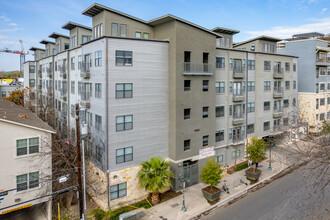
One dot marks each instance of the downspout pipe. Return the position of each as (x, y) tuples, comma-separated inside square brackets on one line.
[(107, 116)]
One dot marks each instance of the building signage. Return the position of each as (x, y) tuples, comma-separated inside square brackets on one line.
[(3, 193), (15, 209), (206, 152)]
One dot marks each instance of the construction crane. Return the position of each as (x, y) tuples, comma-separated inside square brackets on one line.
[(21, 52)]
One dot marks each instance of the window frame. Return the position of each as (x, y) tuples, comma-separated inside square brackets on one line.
[(118, 191), (124, 91), (124, 122), (125, 155), (27, 146)]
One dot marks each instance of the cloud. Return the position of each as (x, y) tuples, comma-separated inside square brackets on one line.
[(324, 9), (10, 29), (319, 25), (13, 24), (3, 37), (4, 18), (8, 42)]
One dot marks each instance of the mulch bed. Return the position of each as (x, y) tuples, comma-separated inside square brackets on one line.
[(168, 195), (211, 190), (252, 170)]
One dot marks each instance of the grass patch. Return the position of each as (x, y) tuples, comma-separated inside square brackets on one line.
[(241, 167)]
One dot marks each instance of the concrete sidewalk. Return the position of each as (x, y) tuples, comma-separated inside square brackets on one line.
[(196, 203)]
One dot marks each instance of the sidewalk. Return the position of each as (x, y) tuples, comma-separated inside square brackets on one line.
[(196, 203)]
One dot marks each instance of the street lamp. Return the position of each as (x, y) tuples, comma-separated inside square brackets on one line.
[(183, 204), (270, 158)]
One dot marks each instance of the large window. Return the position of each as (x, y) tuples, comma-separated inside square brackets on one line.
[(187, 85), (123, 30), (118, 191), (124, 58), (124, 155), (205, 140), (251, 86), (114, 29), (295, 84), (250, 129), (219, 111), (250, 107), (219, 158), (32, 69), (287, 85), (186, 113), (266, 106), (267, 65), (205, 112), (219, 135), (98, 90), (27, 146), (286, 103), (124, 90), (220, 62), (266, 85), (220, 87), (287, 66), (27, 181), (251, 64), (98, 122), (186, 145), (72, 63), (124, 122), (32, 82), (266, 126), (98, 58), (205, 85), (322, 101)]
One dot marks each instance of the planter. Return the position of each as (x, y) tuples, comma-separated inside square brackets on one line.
[(211, 195), (250, 174)]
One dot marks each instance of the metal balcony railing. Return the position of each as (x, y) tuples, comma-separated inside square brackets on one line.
[(278, 70), (85, 96), (238, 93), (278, 109), (238, 69), (238, 115), (85, 70), (201, 68), (238, 137), (62, 69), (278, 90)]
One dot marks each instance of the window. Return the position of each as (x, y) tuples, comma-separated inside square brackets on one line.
[(72, 63), (123, 30), (266, 126), (27, 181), (205, 112), (205, 85), (32, 69), (32, 82), (219, 111), (251, 65), (220, 62), (322, 117), (84, 39), (230, 86), (230, 110), (3, 94), (27, 146), (99, 154), (205, 140), (187, 85), (146, 35), (80, 60), (322, 86), (220, 87), (294, 84), (98, 58), (266, 106), (328, 86), (250, 129), (73, 41), (66, 46), (317, 117), (124, 155), (231, 63), (322, 101), (250, 107), (124, 58), (219, 158), (186, 145), (186, 113), (286, 103), (294, 67), (101, 30), (98, 90), (219, 135), (98, 122), (294, 101), (328, 115), (79, 88), (138, 34), (118, 191), (287, 85), (287, 66), (114, 29), (230, 133), (124, 90), (251, 86), (285, 121), (72, 87), (317, 103), (124, 122), (267, 65), (328, 100), (266, 85)]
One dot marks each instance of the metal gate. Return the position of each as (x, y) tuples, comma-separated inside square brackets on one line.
[(190, 174)]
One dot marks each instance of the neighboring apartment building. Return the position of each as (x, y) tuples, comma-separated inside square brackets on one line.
[(314, 77), (25, 163), (165, 87)]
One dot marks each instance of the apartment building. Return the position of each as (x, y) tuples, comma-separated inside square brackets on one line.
[(26, 160), (166, 87), (314, 77)]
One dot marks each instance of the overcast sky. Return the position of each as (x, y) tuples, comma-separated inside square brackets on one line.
[(34, 20)]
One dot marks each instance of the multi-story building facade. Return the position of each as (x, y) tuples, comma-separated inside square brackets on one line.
[(314, 77), (166, 87)]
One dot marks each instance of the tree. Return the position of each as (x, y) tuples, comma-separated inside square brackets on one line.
[(155, 176), (256, 150), (211, 173)]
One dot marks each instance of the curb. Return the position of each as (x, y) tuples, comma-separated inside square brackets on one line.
[(239, 195)]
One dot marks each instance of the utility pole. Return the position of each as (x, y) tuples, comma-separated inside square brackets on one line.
[(80, 195)]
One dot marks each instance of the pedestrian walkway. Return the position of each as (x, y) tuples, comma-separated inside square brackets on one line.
[(195, 202)]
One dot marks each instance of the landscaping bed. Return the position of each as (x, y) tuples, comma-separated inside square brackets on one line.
[(238, 167)]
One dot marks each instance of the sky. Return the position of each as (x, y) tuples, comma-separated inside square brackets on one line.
[(34, 20)]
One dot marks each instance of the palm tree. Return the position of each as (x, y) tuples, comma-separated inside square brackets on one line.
[(155, 176)]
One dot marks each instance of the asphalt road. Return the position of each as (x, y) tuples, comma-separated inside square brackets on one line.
[(283, 199)]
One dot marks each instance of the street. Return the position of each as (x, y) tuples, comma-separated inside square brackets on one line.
[(285, 198)]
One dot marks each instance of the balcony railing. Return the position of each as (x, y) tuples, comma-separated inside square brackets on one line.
[(238, 118), (63, 93), (278, 92), (238, 72), (238, 138), (49, 72), (63, 71), (278, 112), (278, 73), (85, 99), (39, 73), (238, 96), (198, 69), (85, 70)]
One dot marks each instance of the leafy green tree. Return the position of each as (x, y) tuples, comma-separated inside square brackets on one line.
[(100, 214), (211, 173), (155, 176), (256, 150)]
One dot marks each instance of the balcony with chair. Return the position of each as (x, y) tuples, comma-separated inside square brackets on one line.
[(238, 118), (278, 73), (85, 70), (198, 69), (278, 93)]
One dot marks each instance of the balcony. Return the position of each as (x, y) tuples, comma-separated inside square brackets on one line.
[(63, 71), (49, 73), (85, 102), (322, 60), (238, 96), (63, 93), (278, 93), (238, 72), (238, 118), (63, 114), (278, 112), (198, 69), (278, 73), (84, 70), (238, 139), (39, 74)]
